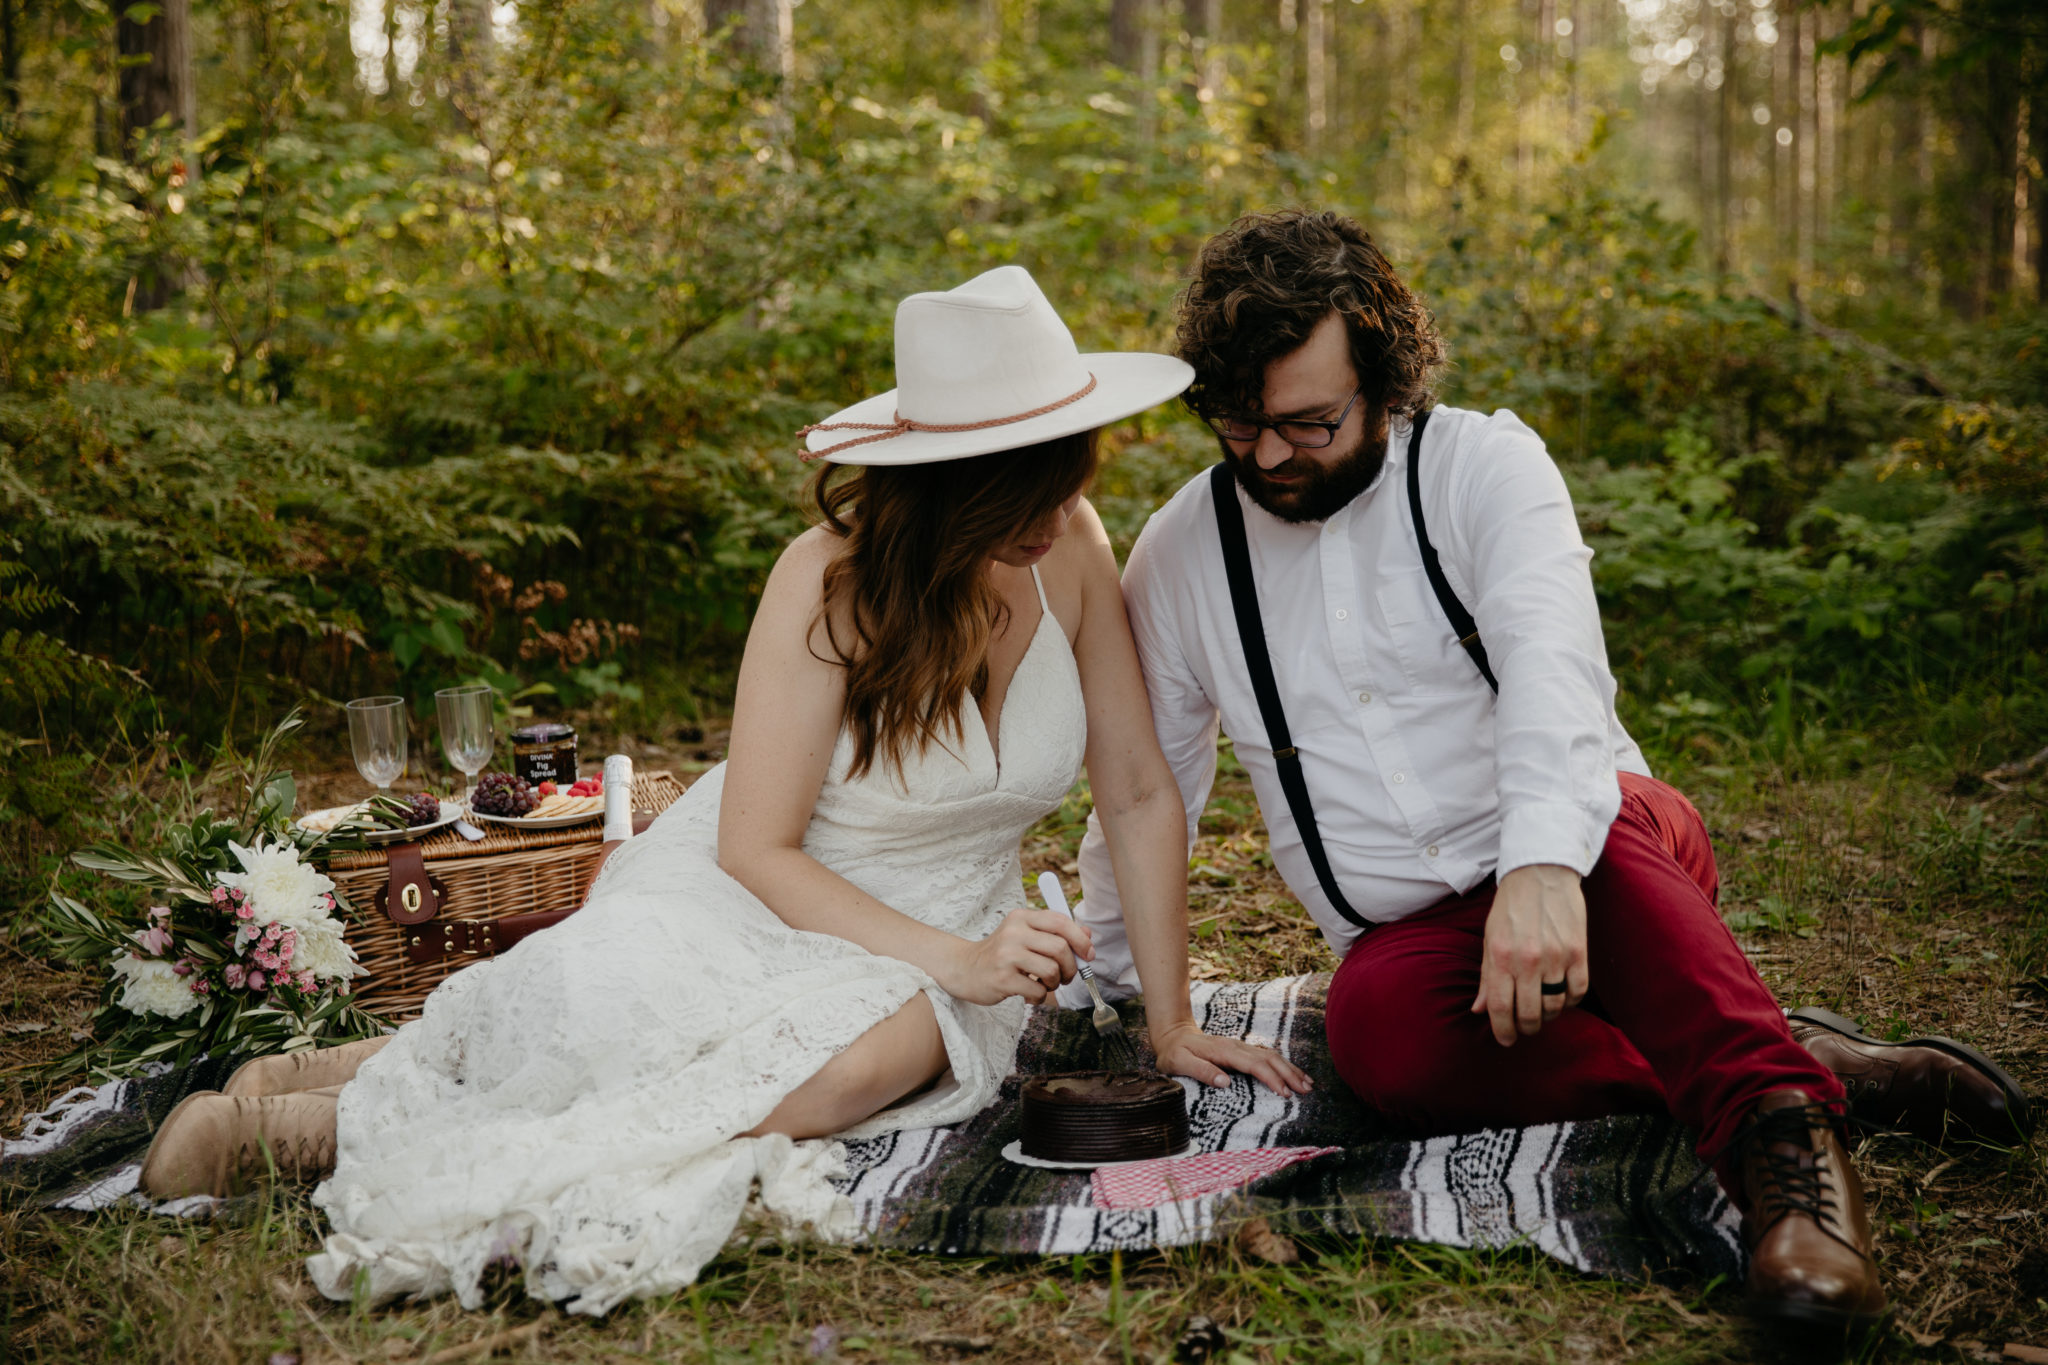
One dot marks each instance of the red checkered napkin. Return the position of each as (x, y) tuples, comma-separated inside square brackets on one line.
[(1148, 1184)]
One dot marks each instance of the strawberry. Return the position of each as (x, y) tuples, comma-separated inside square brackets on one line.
[(546, 789)]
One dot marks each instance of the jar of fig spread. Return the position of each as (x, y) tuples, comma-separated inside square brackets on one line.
[(545, 752)]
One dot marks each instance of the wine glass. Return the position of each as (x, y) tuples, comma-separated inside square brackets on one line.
[(468, 718), (376, 733)]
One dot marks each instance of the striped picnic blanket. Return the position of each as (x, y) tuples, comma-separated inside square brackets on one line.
[(1620, 1196)]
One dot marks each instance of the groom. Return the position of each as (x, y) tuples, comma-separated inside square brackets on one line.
[(1388, 609)]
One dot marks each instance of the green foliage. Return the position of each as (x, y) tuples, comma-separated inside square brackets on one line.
[(498, 381)]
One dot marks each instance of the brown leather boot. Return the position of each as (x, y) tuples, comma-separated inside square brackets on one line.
[(307, 1069), (1804, 1222), (1934, 1088), (220, 1144)]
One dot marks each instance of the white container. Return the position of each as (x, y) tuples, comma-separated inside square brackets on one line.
[(618, 798)]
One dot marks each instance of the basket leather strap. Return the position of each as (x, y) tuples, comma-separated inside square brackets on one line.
[(450, 938), (411, 896), (476, 937)]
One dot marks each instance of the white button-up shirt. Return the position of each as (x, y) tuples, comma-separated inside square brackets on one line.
[(1422, 781)]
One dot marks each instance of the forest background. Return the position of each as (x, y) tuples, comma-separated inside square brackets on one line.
[(372, 349), (376, 346)]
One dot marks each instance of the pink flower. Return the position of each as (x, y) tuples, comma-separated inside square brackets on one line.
[(199, 986), (155, 940), (243, 910), (159, 912), (305, 980), (256, 981), (218, 894), (235, 974), (183, 966)]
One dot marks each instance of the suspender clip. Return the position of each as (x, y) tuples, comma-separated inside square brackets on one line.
[(1287, 752)]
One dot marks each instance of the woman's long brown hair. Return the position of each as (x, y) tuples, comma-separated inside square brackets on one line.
[(910, 589)]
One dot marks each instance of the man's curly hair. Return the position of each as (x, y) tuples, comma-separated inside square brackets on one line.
[(1260, 287)]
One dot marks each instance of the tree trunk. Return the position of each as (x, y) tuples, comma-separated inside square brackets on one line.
[(1468, 76), (1127, 32), (1208, 18), (1807, 145), (2037, 191), (2002, 143), (1725, 122), (764, 32), (11, 18), (1826, 139), (469, 30), (154, 84), (156, 72), (1316, 45), (10, 53)]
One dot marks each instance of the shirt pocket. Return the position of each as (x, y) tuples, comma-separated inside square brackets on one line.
[(1432, 660)]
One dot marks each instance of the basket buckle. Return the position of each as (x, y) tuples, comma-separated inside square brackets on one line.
[(451, 938)]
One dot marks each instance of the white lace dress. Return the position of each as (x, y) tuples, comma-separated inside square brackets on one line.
[(574, 1103)]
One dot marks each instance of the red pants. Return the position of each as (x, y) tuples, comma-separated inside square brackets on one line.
[(1676, 1018)]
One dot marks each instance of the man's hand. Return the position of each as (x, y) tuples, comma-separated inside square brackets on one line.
[(1184, 1050), (1535, 933)]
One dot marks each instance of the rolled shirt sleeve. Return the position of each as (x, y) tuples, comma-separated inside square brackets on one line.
[(1185, 720), (1554, 746)]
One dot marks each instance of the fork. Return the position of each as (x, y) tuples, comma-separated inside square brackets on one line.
[(1108, 1026)]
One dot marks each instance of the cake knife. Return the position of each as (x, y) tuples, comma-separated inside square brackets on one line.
[(1108, 1026)]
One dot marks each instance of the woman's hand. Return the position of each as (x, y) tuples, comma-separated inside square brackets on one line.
[(1031, 954), (1184, 1050)]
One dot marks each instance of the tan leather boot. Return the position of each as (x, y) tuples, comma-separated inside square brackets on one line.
[(1804, 1222), (1933, 1087), (307, 1069), (220, 1144)]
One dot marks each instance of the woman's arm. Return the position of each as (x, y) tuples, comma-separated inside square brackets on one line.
[(1145, 826), (786, 721)]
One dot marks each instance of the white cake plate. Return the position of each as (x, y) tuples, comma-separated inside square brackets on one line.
[(1015, 1152)]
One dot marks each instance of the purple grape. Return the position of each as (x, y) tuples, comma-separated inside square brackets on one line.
[(503, 794)]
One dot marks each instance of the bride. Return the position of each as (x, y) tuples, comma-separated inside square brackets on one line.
[(827, 936)]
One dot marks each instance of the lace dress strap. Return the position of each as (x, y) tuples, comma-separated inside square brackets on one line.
[(1043, 605)]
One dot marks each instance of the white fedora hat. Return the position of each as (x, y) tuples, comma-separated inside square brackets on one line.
[(985, 367)]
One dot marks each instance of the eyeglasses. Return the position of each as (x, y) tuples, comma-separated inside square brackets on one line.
[(1297, 432)]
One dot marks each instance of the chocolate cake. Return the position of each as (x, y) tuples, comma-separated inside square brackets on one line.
[(1104, 1116)]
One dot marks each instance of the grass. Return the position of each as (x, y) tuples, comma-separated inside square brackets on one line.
[(1895, 900)]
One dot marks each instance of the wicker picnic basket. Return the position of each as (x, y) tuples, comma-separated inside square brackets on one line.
[(488, 895)]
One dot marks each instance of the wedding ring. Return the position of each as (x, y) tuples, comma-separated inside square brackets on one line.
[(1553, 988)]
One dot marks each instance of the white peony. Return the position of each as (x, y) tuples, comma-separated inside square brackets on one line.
[(323, 952), (153, 988), (281, 888)]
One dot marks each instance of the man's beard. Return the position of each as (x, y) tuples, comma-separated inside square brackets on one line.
[(1320, 492)]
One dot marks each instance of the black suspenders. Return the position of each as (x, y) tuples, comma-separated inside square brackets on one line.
[(1462, 624), (1251, 631)]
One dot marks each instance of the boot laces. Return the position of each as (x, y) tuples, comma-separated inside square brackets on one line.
[(293, 1158), (1794, 1169)]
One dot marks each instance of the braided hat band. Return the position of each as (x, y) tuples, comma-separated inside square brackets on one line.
[(884, 431)]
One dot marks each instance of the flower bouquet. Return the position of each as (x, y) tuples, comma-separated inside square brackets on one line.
[(244, 949)]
